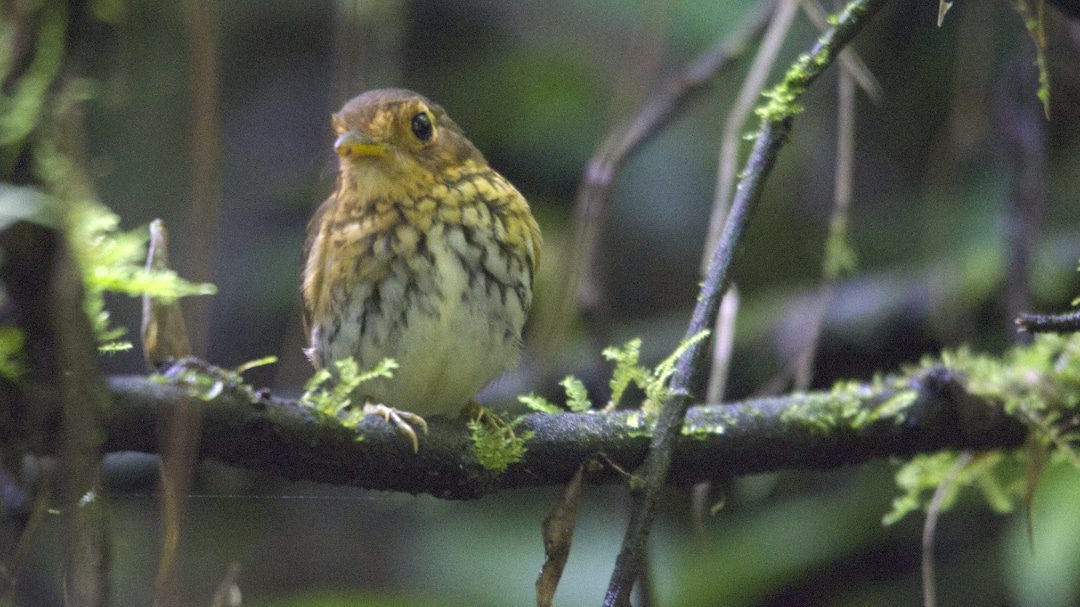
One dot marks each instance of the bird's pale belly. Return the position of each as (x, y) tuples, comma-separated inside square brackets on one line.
[(450, 316)]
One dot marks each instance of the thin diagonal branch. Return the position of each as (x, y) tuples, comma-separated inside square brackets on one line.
[(838, 256), (599, 176), (730, 140), (690, 366)]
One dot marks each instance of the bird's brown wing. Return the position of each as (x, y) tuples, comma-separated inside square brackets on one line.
[(311, 269)]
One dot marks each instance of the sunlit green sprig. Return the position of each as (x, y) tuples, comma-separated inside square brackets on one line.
[(206, 382), (113, 261), (628, 371), (331, 392)]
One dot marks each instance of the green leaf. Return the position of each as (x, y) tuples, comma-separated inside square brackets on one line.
[(539, 403), (627, 370), (577, 397), (330, 392), (656, 387), (258, 362), (115, 347), (27, 204), (12, 358)]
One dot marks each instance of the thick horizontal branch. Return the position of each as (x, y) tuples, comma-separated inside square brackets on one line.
[(934, 411)]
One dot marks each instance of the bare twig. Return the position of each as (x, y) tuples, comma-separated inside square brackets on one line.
[(837, 240), (1019, 120), (1049, 323), (164, 334), (749, 94), (598, 178), (228, 591), (723, 346), (933, 512), (690, 367), (164, 337), (201, 19)]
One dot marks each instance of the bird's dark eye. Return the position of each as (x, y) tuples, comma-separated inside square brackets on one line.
[(421, 126)]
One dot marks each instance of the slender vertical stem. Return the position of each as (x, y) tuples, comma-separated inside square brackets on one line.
[(594, 191), (202, 27), (774, 130)]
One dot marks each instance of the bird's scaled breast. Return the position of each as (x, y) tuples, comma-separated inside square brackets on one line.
[(448, 305)]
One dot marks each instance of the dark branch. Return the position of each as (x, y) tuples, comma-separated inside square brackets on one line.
[(805, 431), (1049, 323), (46, 302), (690, 366)]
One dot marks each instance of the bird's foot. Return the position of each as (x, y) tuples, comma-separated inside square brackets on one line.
[(476, 412), (403, 421)]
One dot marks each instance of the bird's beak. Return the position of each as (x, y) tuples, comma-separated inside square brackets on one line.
[(352, 144)]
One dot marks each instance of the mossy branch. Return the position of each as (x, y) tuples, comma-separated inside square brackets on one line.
[(928, 411)]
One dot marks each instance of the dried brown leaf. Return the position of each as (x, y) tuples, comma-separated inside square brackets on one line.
[(164, 334), (558, 533)]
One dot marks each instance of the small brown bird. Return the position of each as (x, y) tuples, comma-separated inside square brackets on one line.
[(423, 254)]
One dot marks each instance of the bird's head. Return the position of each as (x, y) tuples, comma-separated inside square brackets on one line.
[(395, 133)]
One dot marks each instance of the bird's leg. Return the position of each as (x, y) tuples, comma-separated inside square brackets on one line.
[(476, 412), (403, 421)]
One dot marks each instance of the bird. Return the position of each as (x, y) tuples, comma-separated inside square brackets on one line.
[(424, 254)]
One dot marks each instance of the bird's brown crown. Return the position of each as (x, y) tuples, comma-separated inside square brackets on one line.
[(400, 134)]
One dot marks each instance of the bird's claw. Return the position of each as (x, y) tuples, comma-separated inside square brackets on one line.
[(402, 420), (482, 415)]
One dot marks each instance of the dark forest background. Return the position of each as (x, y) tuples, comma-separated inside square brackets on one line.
[(936, 224)]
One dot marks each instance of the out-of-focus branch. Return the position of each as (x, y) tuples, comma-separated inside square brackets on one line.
[(595, 188), (1049, 323), (201, 20), (165, 339), (45, 290), (749, 95), (838, 255), (1021, 125)]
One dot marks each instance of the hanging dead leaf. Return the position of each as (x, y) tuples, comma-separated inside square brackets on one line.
[(558, 533), (164, 334)]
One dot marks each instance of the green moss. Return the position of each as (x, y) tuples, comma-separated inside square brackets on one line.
[(893, 408), (638, 425), (822, 413), (627, 370), (1040, 385), (577, 396), (781, 99), (12, 357), (702, 431), (997, 476), (539, 403), (331, 392), (206, 382), (497, 447)]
